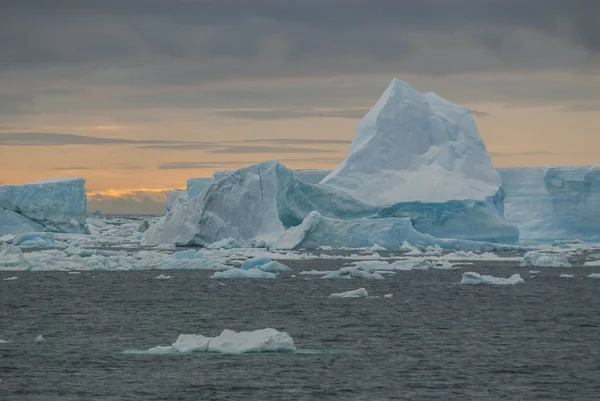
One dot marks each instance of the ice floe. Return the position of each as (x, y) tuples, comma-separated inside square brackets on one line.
[(543, 259), (359, 293), (235, 272), (476, 278)]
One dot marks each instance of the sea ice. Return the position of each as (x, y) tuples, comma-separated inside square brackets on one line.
[(162, 277), (566, 275), (254, 263), (226, 243), (593, 263), (359, 293), (388, 295), (37, 240), (476, 278), (10, 278), (274, 266), (594, 275), (39, 338), (11, 258)]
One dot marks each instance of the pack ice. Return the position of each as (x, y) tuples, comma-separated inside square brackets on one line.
[(57, 205), (417, 171)]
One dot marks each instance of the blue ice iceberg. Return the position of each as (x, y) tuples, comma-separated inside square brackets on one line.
[(417, 171)]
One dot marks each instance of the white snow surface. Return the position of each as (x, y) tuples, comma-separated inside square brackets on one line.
[(231, 342), (476, 278), (416, 147), (359, 293), (51, 205), (174, 198)]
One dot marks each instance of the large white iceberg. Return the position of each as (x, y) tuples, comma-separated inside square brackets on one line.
[(174, 198), (195, 186), (57, 205), (417, 171), (231, 342)]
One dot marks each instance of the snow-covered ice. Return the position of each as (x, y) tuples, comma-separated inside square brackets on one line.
[(10, 278), (174, 198), (39, 339), (594, 275), (564, 275), (41, 239), (162, 277), (476, 278), (388, 295), (231, 342), (359, 293), (592, 263)]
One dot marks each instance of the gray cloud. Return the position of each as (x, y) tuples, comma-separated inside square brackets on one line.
[(15, 103), (266, 149), (67, 168), (197, 165), (135, 203), (54, 139), (286, 114), (513, 154), (478, 113)]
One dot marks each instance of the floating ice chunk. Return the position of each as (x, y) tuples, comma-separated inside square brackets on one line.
[(541, 259), (359, 293), (188, 254), (40, 239), (388, 295), (227, 243), (351, 271), (274, 266), (74, 273), (230, 342), (3, 341), (265, 340), (162, 277), (316, 272), (476, 278), (39, 339), (234, 272), (12, 257), (144, 225), (534, 272), (594, 275), (166, 246), (592, 263), (564, 275), (13, 278), (254, 263)]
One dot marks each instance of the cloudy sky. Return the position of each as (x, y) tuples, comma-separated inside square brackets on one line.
[(138, 95)]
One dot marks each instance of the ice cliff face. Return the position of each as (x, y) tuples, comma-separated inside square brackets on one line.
[(416, 165), (549, 203), (416, 147), (52, 205), (174, 198)]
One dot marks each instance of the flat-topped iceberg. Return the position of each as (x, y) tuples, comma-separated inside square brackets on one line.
[(57, 205), (476, 278), (417, 171)]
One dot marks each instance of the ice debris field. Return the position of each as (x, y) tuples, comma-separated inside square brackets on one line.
[(417, 191)]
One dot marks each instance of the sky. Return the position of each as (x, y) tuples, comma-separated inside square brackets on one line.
[(139, 95)]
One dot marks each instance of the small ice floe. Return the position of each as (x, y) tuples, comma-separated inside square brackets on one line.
[(229, 342), (74, 273), (359, 293), (594, 275), (316, 272), (10, 278), (264, 264), (227, 243), (476, 278), (388, 295), (234, 272), (39, 339), (353, 272), (564, 275), (3, 341), (534, 272), (38, 240), (162, 277), (543, 259), (592, 263)]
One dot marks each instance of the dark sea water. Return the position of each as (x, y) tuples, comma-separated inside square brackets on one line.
[(434, 340)]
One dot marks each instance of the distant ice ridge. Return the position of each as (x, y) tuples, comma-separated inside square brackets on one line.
[(57, 205), (476, 278), (230, 342), (417, 171)]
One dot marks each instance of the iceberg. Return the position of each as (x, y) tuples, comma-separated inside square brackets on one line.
[(550, 203), (57, 205), (564, 275), (594, 275), (359, 293), (230, 342), (174, 198), (11, 257), (195, 186), (592, 263), (162, 277), (417, 172), (274, 266), (476, 278), (541, 259)]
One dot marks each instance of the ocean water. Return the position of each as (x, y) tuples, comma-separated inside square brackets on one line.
[(434, 340)]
